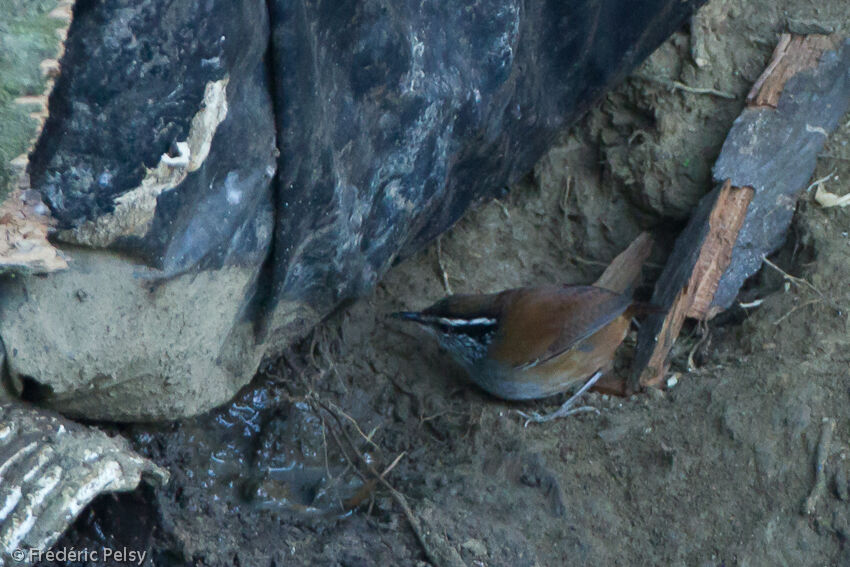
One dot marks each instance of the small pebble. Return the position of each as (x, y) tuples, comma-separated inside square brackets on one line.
[(614, 434), (801, 26), (476, 547), (655, 393)]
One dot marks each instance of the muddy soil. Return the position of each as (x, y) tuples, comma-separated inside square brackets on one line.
[(714, 471)]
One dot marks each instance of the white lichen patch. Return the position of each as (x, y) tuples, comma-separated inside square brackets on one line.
[(134, 210)]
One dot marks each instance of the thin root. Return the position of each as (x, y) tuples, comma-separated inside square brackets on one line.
[(702, 90), (436, 553), (817, 182), (505, 210), (704, 338), (676, 85), (796, 308), (793, 279), (820, 466), (444, 275), (565, 198), (800, 282)]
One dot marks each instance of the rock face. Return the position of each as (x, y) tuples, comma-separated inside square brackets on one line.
[(223, 174)]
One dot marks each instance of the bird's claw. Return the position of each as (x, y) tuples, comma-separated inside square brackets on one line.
[(567, 408), (541, 418)]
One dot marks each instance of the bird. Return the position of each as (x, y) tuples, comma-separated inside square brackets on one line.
[(532, 342)]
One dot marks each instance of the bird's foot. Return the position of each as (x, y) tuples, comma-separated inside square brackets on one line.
[(567, 408)]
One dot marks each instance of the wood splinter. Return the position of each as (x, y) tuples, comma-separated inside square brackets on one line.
[(700, 258)]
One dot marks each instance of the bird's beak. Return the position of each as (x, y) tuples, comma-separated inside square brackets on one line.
[(414, 316)]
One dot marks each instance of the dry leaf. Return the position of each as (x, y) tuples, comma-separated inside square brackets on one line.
[(827, 199)]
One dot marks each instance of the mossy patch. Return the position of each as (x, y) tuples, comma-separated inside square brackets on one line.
[(27, 37)]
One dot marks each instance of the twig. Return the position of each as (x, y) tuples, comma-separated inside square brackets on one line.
[(639, 132), (327, 355), (393, 464), (833, 156), (793, 279), (589, 262), (796, 308), (817, 182), (443, 274), (343, 450), (804, 283), (441, 556), (505, 210), (325, 449), (703, 90), (353, 421), (820, 465), (311, 350), (565, 198), (706, 336), (425, 419), (778, 52), (800, 282), (436, 554), (676, 85)]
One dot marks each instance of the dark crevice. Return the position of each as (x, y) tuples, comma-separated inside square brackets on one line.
[(262, 303), (5, 377), (34, 391)]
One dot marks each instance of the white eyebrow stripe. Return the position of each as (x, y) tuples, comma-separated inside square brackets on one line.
[(466, 322)]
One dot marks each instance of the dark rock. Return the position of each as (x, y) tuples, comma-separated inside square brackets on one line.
[(409, 114)]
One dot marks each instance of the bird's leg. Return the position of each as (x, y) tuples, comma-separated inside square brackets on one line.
[(567, 408)]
